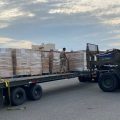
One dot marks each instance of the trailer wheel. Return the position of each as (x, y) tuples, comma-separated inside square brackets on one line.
[(18, 96), (108, 82), (35, 92)]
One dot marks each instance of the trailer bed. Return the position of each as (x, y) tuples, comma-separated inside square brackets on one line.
[(39, 79), (21, 85)]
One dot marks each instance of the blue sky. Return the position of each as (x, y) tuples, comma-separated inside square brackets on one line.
[(66, 23)]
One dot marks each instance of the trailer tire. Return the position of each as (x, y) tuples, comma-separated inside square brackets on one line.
[(18, 96), (35, 92), (108, 82)]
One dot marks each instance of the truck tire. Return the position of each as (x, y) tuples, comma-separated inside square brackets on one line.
[(108, 82), (18, 96), (35, 92)]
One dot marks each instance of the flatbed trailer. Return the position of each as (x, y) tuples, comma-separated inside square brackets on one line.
[(16, 90)]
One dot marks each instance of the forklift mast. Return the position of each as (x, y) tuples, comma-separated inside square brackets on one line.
[(91, 55)]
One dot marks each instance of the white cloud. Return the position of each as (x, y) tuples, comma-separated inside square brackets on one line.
[(114, 21), (114, 31), (8, 15), (114, 44), (111, 11), (4, 25), (4, 40), (113, 38), (2, 3), (39, 1), (78, 6), (73, 9), (11, 43), (117, 36), (97, 8), (19, 44), (13, 14), (30, 14)]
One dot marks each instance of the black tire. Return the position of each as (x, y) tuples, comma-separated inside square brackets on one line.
[(18, 96), (108, 82), (35, 92)]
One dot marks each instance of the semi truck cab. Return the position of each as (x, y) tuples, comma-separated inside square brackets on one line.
[(110, 61)]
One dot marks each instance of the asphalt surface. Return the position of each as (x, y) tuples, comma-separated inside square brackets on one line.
[(69, 100)]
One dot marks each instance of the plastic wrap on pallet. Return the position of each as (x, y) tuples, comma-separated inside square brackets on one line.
[(77, 61), (56, 62), (22, 59), (45, 62), (35, 63), (28, 62), (6, 69)]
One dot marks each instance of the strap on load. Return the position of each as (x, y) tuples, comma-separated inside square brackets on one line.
[(7, 85)]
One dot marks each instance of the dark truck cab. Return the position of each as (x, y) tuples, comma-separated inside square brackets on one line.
[(104, 67), (109, 80)]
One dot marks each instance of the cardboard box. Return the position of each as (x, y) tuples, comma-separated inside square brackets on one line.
[(45, 62), (56, 62), (35, 63), (77, 60), (28, 62), (21, 61), (6, 69)]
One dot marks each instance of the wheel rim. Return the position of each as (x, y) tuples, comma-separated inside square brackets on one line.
[(19, 96), (108, 83), (37, 92)]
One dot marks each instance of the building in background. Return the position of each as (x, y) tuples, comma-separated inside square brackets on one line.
[(44, 47)]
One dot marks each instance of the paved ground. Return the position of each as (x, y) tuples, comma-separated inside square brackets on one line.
[(69, 100)]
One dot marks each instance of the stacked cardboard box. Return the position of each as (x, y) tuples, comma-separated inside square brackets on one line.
[(27, 62), (77, 60), (30, 62), (45, 61), (22, 61), (35, 63), (6, 69), (56, 62)]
